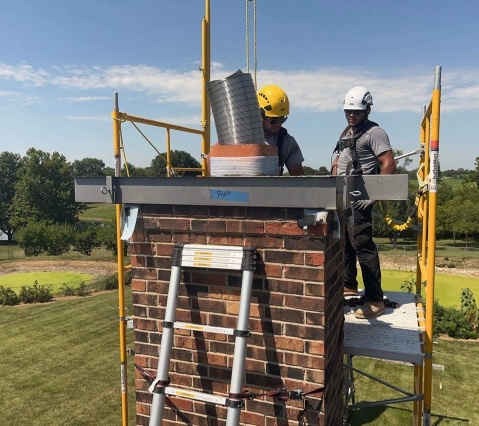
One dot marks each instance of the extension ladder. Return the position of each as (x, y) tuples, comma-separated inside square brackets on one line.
[(210, 257)]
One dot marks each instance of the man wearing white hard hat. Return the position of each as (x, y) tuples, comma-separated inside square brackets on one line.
[(363, 148)]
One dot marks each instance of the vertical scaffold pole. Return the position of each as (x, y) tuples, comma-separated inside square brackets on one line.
[(121, 266), (205, 103), (431, 254)]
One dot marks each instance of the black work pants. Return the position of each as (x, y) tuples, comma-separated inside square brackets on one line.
[(360, 246)]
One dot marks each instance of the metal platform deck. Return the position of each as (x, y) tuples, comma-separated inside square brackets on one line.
[(393, 336)]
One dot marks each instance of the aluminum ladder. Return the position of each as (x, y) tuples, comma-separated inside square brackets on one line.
[(234, 258)]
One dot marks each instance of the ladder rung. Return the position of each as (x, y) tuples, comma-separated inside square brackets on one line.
[(198, 396), (206, 263), (218, 257), (207, 328)]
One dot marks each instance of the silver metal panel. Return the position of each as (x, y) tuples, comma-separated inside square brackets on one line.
[(382, 187), (394, 335), (321, 192)]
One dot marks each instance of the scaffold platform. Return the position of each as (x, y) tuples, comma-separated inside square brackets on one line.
[(394, 336)]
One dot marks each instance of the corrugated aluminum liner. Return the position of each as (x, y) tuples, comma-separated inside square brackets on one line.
[(236, 110)]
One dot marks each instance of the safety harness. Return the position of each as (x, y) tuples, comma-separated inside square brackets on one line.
[(350, 142), (281, 134)]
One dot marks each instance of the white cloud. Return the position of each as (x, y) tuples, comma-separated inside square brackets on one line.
[(23, 73), (87, 98), (320, 89), (87, 118)]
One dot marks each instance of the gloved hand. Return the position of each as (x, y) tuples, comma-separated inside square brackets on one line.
[(360, 205)]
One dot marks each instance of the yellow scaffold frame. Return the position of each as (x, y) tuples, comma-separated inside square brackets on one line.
[(118, 118), (426, 212), (426, 241)]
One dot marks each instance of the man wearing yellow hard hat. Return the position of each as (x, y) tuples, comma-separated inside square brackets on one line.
[(274, 105)]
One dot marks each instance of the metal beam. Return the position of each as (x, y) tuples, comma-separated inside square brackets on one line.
[(321, 192)]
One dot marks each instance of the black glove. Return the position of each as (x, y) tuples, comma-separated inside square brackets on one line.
[(360, 205)]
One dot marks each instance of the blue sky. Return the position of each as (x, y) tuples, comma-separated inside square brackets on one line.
[(61, 61)]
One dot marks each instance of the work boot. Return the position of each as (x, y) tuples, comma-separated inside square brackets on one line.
[(350, 291), (371, 310)]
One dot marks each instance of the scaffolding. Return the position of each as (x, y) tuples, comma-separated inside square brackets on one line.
[(426, 239), (407, 336)]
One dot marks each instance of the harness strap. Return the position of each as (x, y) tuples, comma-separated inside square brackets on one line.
[(281, 134), (350, 142)]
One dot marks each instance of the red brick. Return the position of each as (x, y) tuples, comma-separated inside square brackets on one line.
[(284, 257), (314, 259), (208, 225), (282, 228), (138, 285), (315, 347), (290, 343), (304, 303), (138, 261), (245, 227), (174, 224), (304, 273), (272, 242), (226, 240), (162, 249), (321, 229)]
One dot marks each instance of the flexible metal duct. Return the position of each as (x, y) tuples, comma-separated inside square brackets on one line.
[(235, 109)]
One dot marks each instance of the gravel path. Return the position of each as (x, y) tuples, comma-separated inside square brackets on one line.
[(95, 268)]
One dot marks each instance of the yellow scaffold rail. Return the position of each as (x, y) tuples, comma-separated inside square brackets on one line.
[(426, 245), (118, 147)]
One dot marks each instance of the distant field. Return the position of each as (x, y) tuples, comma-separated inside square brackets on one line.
[(447, 288), (56, 279), (454, 183), (99, 212)]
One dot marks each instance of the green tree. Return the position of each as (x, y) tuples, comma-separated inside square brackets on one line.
[(88, 167), (36, 238), (45, 190), (315, 172), (178, 159), (473, 176), (10, 163)]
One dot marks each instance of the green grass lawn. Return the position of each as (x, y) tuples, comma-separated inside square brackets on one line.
[(60, 366), (447, 288), (453, 392), (55, 279), (98, 212), (60, 363)]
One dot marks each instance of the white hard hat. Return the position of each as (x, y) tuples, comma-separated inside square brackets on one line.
[(357, 98)]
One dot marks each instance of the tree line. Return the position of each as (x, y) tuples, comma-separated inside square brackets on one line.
[(38, 208), (37, 199)]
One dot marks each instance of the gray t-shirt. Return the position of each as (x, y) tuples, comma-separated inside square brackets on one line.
[(292, 154), (369, 146)]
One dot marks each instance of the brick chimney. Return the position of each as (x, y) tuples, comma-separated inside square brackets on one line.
[(296, 317)]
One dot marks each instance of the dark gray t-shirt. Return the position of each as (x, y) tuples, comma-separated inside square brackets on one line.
[(292, 154), (369, 146)]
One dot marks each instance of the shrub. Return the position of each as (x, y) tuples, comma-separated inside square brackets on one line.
[(36, 238), (31, 238), (58, 239), (82, 290), (8, 296), (452, 322), (27, 294), (469, 308), (36, 293), (409, 284), (111, 282), (67, 290), (86, 240)]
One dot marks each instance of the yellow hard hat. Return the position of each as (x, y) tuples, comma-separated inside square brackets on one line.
[(273, 101)]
